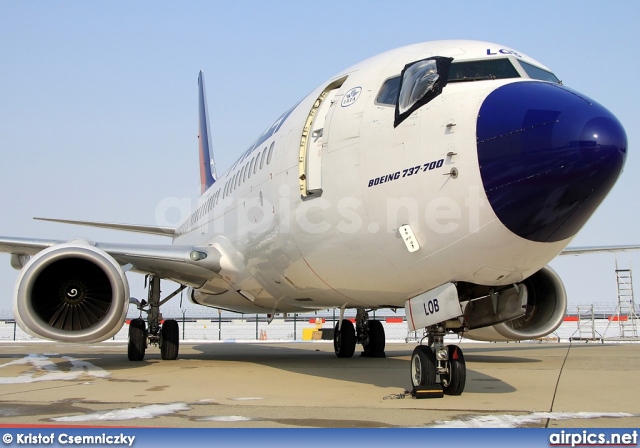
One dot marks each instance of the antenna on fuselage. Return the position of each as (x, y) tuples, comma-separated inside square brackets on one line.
[(208, 173)]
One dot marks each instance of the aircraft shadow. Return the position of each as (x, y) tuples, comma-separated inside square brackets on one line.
[(391, 371)]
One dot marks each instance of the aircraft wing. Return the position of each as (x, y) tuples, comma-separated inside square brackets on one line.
[(188, 265), (25, 246), (152, 230), (596, 249)]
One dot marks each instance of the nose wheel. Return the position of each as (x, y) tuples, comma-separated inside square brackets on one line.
[(454, 379), (437, 360)]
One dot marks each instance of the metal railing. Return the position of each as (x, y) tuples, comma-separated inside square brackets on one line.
[(592, 322)]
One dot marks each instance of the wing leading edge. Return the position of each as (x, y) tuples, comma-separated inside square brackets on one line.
[(188, 265), (599, 249), (152, 230)]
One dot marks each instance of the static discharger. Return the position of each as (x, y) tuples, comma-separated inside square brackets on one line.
[(409, 238)]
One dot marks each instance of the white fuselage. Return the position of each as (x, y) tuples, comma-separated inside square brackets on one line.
[(341, 246)]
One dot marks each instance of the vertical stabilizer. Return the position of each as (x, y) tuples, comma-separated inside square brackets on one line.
[(207, 165)]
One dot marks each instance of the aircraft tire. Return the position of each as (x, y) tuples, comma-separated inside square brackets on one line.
[(344, 341), (170, 340), (137, 340), (375, 341), (453, 383), (423, 367)]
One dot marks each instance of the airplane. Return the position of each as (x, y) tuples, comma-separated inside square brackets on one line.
[(441, 177)]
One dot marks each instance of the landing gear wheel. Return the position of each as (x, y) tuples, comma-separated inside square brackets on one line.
[(453, 382), (423, 367), (169, 340), (374, 342), (344, 341), (137, 340)]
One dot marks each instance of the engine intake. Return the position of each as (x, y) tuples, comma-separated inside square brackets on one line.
[(72, 292), (545, 311)]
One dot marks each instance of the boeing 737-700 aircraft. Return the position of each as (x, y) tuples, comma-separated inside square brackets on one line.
[(441, 177)]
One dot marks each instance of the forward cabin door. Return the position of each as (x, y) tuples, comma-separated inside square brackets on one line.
[(314, 136)]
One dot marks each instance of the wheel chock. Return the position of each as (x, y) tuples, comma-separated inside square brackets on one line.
[(431, 391)]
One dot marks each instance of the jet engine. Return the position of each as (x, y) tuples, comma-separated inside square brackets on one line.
[(72, 292), (546, 306)]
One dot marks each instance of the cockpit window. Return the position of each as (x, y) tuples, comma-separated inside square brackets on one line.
[(538, 73), (417, 80), (389, 92), (486, 69), (482, 70), (458, 72), (420, 82)]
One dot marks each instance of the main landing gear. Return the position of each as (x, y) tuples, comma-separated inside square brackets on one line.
[(436, 359), (369, 333), (164, 334)]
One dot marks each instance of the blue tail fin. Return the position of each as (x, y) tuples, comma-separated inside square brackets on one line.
[(208, 174)]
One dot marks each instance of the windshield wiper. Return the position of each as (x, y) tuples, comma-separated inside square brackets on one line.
[(478, 78)]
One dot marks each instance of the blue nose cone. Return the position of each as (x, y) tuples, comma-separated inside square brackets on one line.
[(548, 156)]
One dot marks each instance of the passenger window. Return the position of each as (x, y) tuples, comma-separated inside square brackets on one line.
[(270, 153), (252, 166), (262, 158)]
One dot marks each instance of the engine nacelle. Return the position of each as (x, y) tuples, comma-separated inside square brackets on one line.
[(71, 292), (545, 311)]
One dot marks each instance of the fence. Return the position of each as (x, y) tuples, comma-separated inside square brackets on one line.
[(241, 328), (224, 326)]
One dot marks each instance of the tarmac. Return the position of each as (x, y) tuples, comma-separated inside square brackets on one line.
[(304, 384)]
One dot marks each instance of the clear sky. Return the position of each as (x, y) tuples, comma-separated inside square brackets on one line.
[(98, 100)]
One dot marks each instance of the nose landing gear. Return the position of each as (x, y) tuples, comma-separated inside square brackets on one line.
[(436, 359)]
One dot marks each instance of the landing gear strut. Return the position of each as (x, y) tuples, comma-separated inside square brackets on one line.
[(369, 333), (436, 359), (165, 334)]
